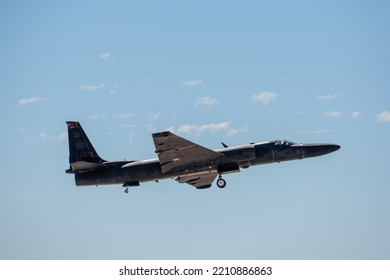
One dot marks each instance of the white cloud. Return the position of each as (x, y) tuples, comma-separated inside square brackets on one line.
[(356, 114), (212, 127), (153, 117), (113, 89), (299, 114), (232, 131), (171, 128), (327, 97), (322, 131), (125, 116), (130, 137), (28, 101), (105, 56), (264, 97), (383, 117), (198, 129), (20, 129), (42, 135), (311, 132), (127, 126), (333, 114), (192, 83), (59, 137), (205, 101), (89, 88), (97, 116)]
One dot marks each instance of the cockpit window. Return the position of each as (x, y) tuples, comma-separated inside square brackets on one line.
[(284, 143)]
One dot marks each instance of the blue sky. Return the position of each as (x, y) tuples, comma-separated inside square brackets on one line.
[(216, 71)]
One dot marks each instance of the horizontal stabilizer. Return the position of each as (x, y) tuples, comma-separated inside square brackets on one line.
[(83, 166)]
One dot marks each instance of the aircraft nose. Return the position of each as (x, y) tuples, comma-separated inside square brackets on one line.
[(315, 150)]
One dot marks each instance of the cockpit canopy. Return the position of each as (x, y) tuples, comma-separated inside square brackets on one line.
[(284, 143)]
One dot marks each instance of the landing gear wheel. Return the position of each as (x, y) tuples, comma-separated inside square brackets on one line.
[(127, 190), (221, 183)]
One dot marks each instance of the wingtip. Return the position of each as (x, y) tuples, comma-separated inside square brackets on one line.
[(161, 134)]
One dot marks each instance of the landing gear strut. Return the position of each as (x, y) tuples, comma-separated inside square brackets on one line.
[(126, 185), (221, 183)]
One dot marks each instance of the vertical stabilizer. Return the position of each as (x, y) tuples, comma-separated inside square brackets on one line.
[(80, 148)]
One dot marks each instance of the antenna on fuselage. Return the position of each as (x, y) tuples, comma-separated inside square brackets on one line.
[(224, 145)]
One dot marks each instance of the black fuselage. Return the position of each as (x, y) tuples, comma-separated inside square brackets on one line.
[(132, 173)]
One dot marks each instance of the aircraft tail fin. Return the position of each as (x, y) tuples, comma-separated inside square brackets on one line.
[(82, 155)]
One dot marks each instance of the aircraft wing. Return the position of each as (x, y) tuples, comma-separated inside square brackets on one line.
[(175, 152), (198, 180)]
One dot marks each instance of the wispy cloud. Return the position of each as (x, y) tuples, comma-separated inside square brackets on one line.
[(212, 127), (333, 114), (322, 131), (125, 116), (97, 116), (356, 114), (198, 129), (42, 135), (327, 97), (105, 56), (205, 101), (299, 114), (20, 129), (383, 117), (234, 131), (91, 88), (192, 83), (28, 101), (59, 137), (130, 137), (310, 132), (113, 89), (153, 117), (125, 126), (265, 97)]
